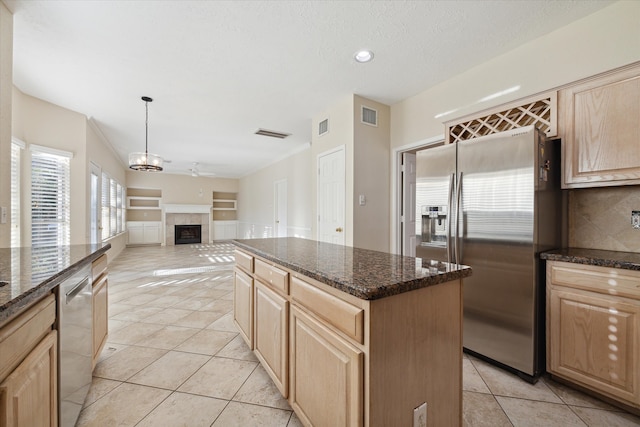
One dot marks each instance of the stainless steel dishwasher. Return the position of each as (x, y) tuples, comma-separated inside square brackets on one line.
[(75, 316)]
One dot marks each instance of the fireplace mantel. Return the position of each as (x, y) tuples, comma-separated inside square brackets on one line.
[(205, 209)]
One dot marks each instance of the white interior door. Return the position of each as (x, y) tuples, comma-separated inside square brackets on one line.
[(280, 204), (94, 209), (331, 197), (408, 204)]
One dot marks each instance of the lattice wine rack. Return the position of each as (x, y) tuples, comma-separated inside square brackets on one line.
[(541, 112)]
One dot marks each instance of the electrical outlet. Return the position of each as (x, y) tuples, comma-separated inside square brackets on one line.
[(420, 416), (635, 219)]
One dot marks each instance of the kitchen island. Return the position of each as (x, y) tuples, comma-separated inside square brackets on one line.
[(34, 333), (352, 336)]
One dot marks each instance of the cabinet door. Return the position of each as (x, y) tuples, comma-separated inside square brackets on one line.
[(218, 231), (326, 375), (601, 131), (100, 316), (230, 231), (151, 233), (270, 334), (243, 305), (28, 396), (593, 340), (136, 235)]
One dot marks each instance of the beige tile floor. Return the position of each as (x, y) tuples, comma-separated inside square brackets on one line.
[(174, 358)]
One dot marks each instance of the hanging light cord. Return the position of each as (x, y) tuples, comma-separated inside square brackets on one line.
[(146, 131)]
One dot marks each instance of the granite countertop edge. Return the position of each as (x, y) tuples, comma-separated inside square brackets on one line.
[(16, 305), (353, 289), (595, 257)]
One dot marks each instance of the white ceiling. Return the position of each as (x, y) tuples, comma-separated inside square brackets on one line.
[(219, 70)]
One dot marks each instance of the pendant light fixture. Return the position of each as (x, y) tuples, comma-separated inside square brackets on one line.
[(145, 161)]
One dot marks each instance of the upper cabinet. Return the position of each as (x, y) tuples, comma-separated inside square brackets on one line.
[(600, 130)]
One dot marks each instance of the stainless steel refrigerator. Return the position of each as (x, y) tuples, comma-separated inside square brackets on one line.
[(494, 203)]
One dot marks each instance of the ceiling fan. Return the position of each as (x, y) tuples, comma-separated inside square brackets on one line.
[(196, 172)]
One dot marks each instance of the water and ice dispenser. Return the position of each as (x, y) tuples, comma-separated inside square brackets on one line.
[(434, 225)]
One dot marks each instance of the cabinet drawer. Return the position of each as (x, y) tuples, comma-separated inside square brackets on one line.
[(20, 336), (338, 313), (604, 280), (98, 267), (277, 278), (244, 261)]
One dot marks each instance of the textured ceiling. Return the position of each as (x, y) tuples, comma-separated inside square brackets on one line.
[(219, 70)]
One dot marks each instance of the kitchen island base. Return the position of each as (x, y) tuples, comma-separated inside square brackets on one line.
[(341, 360)]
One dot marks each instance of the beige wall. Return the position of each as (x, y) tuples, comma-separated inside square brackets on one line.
[(607, 39), (340, 133), (6, 84), (371, 177), (39, 122), (256, 198), (181, 189)]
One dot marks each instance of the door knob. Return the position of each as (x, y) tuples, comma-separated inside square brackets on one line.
[(339, 229)]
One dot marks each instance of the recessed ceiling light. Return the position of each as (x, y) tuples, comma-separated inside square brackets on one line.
[(363, 56)]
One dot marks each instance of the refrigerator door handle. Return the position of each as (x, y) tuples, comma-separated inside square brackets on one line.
[(449, 217), (458, 236)]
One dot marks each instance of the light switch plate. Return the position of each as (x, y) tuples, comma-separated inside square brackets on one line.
[(420, 416), (635, 219)]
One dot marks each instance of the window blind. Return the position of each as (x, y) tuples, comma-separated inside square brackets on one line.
[(50, 198), (106, 230), (119, 212), (113, 210), (16, 153)]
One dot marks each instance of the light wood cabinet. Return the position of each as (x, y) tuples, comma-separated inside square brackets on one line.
[(243, 305), (271, 337), (28, 367), (100, 305), (593, 328), (100, 317), (341, 360), (600, 130), (326, 372), (28, 396)]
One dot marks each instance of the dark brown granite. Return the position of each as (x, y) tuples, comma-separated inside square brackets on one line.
[(601, 258), (31, 273), (363, 273)]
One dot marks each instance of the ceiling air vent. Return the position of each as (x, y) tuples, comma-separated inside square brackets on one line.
[(272, 133), (369, 116), (323, 127)]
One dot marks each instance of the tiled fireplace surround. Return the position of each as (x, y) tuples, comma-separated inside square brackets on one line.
[(173, 219)]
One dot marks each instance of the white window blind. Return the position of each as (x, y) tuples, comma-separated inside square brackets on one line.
[(119, 215), (113, 209), (16, 153), (50, 197), (106, 230)]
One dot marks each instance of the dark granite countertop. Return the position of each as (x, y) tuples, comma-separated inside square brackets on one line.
[(363, 273), (33, 272), (601, 258)]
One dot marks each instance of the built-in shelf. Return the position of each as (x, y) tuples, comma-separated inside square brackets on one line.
[(224, 205), (141, 202)]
